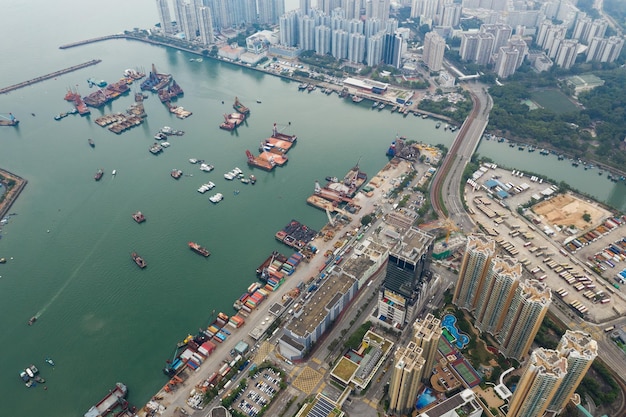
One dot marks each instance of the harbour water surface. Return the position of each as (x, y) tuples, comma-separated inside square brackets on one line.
[(101, 318)]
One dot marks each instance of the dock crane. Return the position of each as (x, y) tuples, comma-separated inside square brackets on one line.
[(7, 119), (330, 218)]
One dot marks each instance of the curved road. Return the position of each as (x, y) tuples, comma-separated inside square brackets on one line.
[(446, 198), (445, 195)]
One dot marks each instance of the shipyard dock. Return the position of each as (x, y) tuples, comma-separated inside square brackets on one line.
[(179, 391), (48, 76)]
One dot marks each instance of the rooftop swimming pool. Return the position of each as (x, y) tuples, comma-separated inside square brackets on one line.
[(425, 398), (460, 339)]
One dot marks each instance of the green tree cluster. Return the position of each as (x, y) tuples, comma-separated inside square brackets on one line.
[(354, 341)]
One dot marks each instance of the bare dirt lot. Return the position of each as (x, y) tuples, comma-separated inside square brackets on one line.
[(567, 210)]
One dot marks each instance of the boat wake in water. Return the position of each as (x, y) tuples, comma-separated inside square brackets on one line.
[(72, 275)]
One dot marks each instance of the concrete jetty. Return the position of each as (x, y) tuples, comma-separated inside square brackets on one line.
[(48, 76), (92, 40)]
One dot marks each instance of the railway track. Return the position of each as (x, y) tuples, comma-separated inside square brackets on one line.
[(436, 193)]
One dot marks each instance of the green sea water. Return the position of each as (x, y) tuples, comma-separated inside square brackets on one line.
[(101, 318)]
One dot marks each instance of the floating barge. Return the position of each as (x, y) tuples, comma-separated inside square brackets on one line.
[(104, 95), (80, 105), (199, 249), (261, 163), (115, 399), (170, 93), (179, 111), (121, 122), (134, 74), (232, 121), (155, 80), (273, 158), (295, 234), (9, 121), (282, 136), (276, 146), (240, 108), (194, 350), (321, 203)]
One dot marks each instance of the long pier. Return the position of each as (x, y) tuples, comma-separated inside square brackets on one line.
[(48, 76), (92, 40)]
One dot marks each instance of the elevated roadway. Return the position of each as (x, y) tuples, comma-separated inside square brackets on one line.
[(445, 195)]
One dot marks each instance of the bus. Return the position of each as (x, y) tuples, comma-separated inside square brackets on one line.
[(609, 329)]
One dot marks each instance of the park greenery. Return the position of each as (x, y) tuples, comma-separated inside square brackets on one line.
[(355, 339), (456, 111), (596, 131)]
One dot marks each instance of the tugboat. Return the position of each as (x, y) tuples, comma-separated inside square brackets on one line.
[(252, 179), (176, 173), (138, 260), (139, 217), (98, 175), (199, 249)]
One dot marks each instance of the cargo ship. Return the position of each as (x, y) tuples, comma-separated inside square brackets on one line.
[(199, 249), (239, 107), (138, 260), (283, 136), (139, 217), (98, 175), (116, 398), (155, 81)]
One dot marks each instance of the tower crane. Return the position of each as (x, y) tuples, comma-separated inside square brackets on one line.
[(450, 227)]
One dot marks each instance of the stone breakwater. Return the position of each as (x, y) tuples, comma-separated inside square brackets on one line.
[(12, 192)]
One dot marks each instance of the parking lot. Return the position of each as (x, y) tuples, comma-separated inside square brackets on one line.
[(262, 388), (539, 245)]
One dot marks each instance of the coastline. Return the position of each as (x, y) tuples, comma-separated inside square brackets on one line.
[(12, 193), (334, 87)]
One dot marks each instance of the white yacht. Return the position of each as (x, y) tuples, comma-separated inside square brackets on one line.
[(206, 167), (216, 198)]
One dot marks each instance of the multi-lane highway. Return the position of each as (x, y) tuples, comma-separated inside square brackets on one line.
[(445, 193)]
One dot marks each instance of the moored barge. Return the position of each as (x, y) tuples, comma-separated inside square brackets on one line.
[(114, 399), (199, 249)]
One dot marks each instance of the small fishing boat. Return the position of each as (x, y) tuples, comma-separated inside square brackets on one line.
[(49, 361)]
